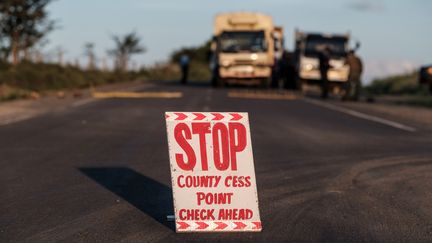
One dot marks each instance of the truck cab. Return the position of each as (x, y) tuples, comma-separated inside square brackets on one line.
[(308, 46), (242, 48)]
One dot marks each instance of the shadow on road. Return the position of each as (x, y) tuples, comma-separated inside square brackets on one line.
[(191, 84), (204, 84), (146, 194)]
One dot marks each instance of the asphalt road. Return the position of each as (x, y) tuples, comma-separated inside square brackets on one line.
[(100, 173)]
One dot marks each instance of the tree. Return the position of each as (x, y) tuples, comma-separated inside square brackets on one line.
[(197, 53), (4, 49), (125, 47), (89, 52), (23, 23)]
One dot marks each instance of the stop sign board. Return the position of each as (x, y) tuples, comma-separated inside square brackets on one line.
[(212, 172)]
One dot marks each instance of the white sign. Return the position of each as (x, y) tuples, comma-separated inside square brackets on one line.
[(212, 172)]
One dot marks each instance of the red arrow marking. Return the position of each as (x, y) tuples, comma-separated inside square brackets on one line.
[(239, 225), (220, 225), (199, 116), (166, 116), (201, 225), (257, 225), (235, 116), (217, 116), (183, 225), (180, 116)]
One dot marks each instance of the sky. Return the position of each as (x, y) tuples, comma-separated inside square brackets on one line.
[(395, 35)]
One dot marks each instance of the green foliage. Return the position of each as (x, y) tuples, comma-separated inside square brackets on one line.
[(396, 85), (11, 93), (198, 68), (419, 100), (199, 71), (23, 23), (125, 47), (161, 72), (199, 54), (171, 72), (17, 81)]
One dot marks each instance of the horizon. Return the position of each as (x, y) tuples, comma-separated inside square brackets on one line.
[(154, 23)]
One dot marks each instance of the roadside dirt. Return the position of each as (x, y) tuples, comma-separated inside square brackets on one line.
[(18, 110)]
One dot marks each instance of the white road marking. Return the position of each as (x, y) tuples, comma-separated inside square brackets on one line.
[(361, 115)]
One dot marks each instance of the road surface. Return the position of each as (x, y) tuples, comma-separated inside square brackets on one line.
[(99, 172)]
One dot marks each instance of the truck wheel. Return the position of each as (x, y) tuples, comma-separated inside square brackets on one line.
[(214, 81), (274, 80), (265, 83), (275, 83), (215, 78), (220, 82), (292, 83), (289, 83), (217, 81), (298, 84), (291, 80)]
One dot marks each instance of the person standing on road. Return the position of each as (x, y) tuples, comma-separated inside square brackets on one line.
[(184, 66), (289, 72), (324, 66), (356, 69)]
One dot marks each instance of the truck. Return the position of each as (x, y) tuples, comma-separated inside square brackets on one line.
[(308, 46), (244, 49)]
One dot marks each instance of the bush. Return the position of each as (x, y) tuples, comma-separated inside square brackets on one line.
[(20, 80), (42, 76), (9, 93), (198, 71), (396, 85), (161, 72)]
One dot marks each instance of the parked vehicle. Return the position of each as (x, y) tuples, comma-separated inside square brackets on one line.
[(245, 47)]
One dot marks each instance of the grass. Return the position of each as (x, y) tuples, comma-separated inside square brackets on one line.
[(27, 78), (22, 80), (397, 85), (198, 71), (405, 90), (10, 93), (423, 101)]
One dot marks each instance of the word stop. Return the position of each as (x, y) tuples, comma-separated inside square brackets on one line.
[(226, 141)]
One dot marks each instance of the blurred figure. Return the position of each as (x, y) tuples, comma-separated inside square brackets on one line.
[(425, 76), (324, 65), (276, 74), (354, 78), (184, 65), (289, 72)]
